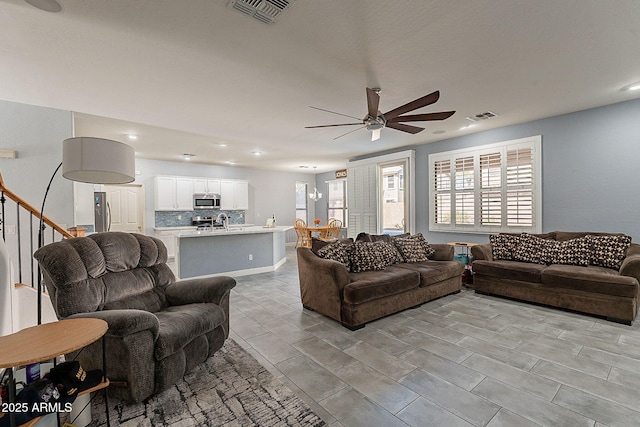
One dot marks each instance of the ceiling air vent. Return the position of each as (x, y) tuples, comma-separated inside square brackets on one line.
[(265, 11), (481, 116)]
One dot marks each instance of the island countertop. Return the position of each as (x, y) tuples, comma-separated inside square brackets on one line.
[(233, 229)]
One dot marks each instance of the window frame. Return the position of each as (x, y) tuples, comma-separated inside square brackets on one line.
[(306, 201), (345, 208), (456, 187)]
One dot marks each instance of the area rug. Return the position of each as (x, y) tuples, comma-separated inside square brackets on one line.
[(230, 389)]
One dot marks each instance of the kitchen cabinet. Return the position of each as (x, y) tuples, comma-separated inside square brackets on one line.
[(234, 195), (203, 185), (173, 193)]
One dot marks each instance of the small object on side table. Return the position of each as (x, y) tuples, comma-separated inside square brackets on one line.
[(466, 259)]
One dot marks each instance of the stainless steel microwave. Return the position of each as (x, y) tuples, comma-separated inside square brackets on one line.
[(206, 201)]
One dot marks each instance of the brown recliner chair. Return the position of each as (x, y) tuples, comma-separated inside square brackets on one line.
[(159, 328)]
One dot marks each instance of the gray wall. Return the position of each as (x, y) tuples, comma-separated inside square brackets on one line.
[(36, 133), (590, 170)]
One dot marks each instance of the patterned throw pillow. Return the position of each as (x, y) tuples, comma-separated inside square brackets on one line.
[(414, 248), (608, 251), (574, 252), (336, 251), (502, 245), (366, 256), (530, 249), (391, 254)]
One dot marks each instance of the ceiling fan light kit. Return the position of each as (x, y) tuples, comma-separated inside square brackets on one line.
[(375, 121)]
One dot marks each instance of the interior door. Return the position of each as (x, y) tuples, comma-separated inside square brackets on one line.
[(125, 207)]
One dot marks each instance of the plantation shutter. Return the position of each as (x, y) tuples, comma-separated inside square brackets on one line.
[(491, 189), (442, 190), (520, 187)]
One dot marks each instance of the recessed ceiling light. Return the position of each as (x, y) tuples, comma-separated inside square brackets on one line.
[(222, 145), (257, 153), (467, 127), (132, 136), (632, 86), (437, 132), (303, 167), (188, 156), (229, 162)]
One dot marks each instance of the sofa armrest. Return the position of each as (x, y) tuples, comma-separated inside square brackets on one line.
[(444, 252), (482, 252), (124, 322), (191, 291), (631, 267), (322, 282)]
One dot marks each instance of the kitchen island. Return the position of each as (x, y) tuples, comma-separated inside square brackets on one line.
[(237, 251)]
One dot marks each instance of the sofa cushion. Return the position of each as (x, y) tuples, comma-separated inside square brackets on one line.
[(522, 271), (503, 245), (608, 251), (414, 248), (592, 279), (432, 272), (336, 251), (574, 252), (179, 325), (529, 248), (371, 285), (317, 244), (367, 256)]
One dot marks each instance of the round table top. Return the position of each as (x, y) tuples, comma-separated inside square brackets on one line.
[(49, 340)]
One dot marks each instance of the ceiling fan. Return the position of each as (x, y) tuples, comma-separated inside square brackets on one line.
[(375, 120)]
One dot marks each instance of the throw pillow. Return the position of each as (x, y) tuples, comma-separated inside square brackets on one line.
[(428, 250), (391, 254), (574, 252), (336, 251), (608, 251), (530, 249), (503, 245), (366, 256), (411, 248)]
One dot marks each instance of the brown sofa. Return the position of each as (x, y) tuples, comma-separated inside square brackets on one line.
[(328, 287), (608, 292)]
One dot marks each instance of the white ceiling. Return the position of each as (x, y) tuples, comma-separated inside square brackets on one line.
[(189, 75)]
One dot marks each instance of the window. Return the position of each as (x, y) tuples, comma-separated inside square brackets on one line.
[(488, 188), (337, 200), (301, 201), (391, 182), (393, 207)]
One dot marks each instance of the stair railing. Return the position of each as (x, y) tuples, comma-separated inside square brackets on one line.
[(22, 241)]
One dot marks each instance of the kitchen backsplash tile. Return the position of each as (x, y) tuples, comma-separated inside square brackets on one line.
[(183, 218)]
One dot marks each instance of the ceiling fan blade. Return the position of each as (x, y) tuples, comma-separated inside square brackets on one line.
[(404, 128), (422, 117), (413, 105), (329, 126), (333, 112), (375, 134), (348, 133), (373, 100)]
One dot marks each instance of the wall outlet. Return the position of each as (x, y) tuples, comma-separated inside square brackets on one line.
[(179, 216), (250, 257)]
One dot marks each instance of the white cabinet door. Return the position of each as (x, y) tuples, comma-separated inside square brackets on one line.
[(184, 194), (242, 195), (199, 185), (165, 193), (213, 186), (227, 195)]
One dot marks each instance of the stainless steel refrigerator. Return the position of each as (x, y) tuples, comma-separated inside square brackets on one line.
[(101, 211)]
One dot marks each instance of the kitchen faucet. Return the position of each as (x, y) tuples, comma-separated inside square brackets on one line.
[(224, 218)]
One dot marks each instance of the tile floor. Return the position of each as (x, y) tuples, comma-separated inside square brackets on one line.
[(461, 360)]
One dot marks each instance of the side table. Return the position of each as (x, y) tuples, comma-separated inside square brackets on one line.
[(47, 341), (467, 277)]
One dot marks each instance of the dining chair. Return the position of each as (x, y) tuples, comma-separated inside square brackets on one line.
[(302, 235), (335, 227)]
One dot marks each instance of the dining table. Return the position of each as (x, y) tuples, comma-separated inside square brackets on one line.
[(321, 229)]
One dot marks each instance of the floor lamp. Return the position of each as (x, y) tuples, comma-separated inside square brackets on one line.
[(94, 161)]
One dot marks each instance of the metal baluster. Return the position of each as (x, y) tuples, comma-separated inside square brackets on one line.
[(2, 200), (31, 245), (19, 245), (53, 234)]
